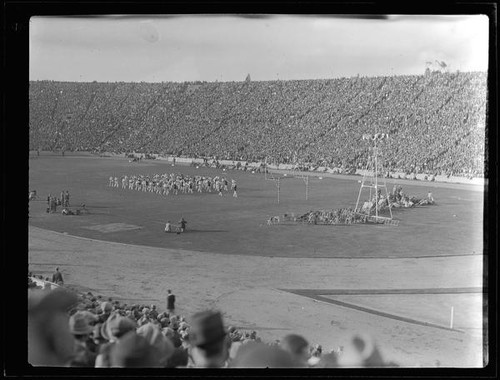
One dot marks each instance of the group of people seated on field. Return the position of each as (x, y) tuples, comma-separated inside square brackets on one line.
[(395, 199), (173, 183), (434, 122), (78, 211), (68, 329), (338, 216)]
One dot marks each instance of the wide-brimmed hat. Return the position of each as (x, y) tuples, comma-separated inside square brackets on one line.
[(206, 328), (89, 316), (117, 326), (79, 325), (106, 307), (163, 346), (133, 350)]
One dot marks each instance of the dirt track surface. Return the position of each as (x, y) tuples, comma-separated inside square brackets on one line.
[(249, 291)]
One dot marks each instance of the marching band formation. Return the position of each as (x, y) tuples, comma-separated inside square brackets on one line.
[(174, 183)]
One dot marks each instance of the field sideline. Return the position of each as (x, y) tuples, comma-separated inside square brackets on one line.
[(251, 276)]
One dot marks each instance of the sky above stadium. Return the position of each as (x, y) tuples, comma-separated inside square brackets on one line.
[(227, 48)]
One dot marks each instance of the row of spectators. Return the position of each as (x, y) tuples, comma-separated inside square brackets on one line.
[(435, 122), (70, 330)]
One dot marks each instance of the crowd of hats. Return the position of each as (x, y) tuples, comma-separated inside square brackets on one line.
[(435, 122), (85, 330)]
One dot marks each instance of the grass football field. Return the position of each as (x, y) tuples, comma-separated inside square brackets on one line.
[(238, 226)]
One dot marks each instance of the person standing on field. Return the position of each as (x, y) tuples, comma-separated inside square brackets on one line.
[(66, 199), (182, 223), (57, 277), (170, 302)]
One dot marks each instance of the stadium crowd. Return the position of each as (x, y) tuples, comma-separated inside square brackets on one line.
[(435, 121), (70, 329)]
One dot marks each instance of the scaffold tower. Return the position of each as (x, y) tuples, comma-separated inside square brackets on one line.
[(374, 184)]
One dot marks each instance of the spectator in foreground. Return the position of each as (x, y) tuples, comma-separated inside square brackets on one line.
[(163, 348), (361, 351), (260, 355), (133, 350), (97, 336), (207, 336), (106, 308), (84, 347), (315, 356), (50, 342), (297, 347), (113, 330)]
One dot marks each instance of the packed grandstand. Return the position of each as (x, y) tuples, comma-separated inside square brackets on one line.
[(436, 122)]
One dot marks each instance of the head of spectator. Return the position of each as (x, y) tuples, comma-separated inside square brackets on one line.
[(116, 326), (84, 347), (168, 332), (298, 347), (260, 355), (89, 316), (163, 347), (79, 325), (184, 335), (97, 334), (316, 350), (164, 322), (132, 351), (50, 342), (179, 358), (106, 307), (207, 337), (329, 360), (174, 325), (360, 351)]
